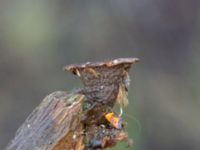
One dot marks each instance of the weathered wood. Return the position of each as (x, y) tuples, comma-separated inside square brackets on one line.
[(53, 124), (76, 120)]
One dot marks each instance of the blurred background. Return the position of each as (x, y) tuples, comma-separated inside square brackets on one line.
[(37, 38)]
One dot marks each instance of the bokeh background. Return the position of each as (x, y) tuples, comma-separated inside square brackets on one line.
[(37, 38)]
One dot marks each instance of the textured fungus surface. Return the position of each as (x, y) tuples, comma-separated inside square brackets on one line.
[(102, 80)]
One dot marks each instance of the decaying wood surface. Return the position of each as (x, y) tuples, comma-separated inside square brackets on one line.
[(80, 120), (53, 124)]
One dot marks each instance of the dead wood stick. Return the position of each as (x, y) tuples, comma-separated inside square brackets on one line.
[(51, 124), (81, 120)]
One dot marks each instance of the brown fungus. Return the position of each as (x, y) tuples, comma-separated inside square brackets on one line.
[(105, 81)]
